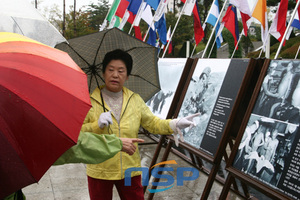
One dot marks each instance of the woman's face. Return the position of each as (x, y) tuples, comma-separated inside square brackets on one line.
[(115, 75)]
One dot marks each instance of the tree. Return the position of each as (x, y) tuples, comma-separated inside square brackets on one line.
[(83, 26), (97, 13)]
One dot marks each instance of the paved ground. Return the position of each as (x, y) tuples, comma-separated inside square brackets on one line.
[(70, 182)]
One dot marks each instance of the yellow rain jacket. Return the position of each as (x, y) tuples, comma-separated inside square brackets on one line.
[(134, 114)]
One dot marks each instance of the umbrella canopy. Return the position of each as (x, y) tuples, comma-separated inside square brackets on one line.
[(44, 100), (19, 16), (88, 52)]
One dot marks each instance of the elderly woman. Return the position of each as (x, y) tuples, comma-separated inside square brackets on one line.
[(119, 111)]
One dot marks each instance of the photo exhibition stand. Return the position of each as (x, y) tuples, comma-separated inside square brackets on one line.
[(266, 155), (220, 89)]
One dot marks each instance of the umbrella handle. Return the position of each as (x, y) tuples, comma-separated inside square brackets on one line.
[(104, 109)]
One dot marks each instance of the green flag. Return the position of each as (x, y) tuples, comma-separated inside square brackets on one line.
[(113, 9)]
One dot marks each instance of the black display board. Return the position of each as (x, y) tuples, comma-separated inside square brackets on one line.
[(267, 150), (220, 90), (211, 91)]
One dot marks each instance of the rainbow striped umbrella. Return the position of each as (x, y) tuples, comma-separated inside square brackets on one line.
[(44, 100)]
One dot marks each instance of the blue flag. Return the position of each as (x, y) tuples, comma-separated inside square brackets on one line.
[(134, 6), (212, 19), (152, 37), (161, 28), (153, 3)]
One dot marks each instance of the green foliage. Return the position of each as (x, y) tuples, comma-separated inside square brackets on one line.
[(182, 51), (211, 51), (97, 13), (82, 26), (291, 4), (227, 36), (246, 44), (184, 30), (289, 50)]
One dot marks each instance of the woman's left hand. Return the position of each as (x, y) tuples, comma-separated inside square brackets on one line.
[(128, 144)]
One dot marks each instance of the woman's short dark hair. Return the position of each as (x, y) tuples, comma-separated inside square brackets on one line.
[(118, 54)]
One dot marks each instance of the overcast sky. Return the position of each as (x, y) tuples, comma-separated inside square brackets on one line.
[(80, 3), (51, 3)]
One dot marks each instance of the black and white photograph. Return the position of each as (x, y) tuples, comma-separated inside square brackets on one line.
[(279, 97), (170, 70), (201, 96), (269, 149)]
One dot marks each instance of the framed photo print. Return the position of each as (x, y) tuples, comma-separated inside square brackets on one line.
[(212, 90), (170, 70), (267, 154)]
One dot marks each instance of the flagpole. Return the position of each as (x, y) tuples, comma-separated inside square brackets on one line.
[(203, 27), (159, 8), (237, 44), (261, 51), (297, 52), (193, 49), (212, 47), (104, 21), (214, 29), (113, 15), (173, 30), (287, 28), (138, 13)]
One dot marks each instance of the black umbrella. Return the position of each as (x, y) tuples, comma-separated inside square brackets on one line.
[(88, 52)]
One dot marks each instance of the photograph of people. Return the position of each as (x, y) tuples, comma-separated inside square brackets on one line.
[(280, 90), (119, 111), (264, 148), (201, 96), (169, 71)]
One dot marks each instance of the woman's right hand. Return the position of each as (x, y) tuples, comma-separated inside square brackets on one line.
[(128, 144)]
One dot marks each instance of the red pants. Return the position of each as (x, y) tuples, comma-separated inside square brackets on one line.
[(100, 189)]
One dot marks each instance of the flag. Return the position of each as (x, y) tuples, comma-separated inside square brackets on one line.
[(138, 16), (124, 20), (122, 8), (134, 6), (188, 7), (245, 18), (131, 17), (161, 28), (230, 21), (296, 22), (198, 30), (153, 3), (137, 32), (278, 26), (244, 9), (113, 9), (169, 39), (160, 10), (260, 13), (152, 37), (147, 16), (115, 22), (133, 9), (212, 18)]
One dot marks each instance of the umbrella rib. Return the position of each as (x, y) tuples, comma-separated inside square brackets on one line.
[(144, 80), (18, 25), (100, 46), (79, 55), (137, 47), (99, 77)]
